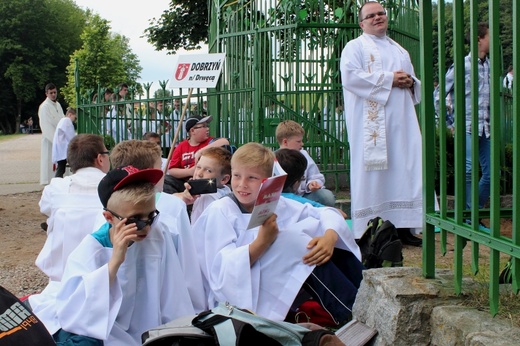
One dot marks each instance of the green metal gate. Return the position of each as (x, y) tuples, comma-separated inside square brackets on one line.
[(453, 219), (282, 62)]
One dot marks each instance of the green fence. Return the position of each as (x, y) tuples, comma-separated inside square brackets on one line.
[(453, 219), (282, 62)]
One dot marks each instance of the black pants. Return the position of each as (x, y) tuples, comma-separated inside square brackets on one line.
[(335, 284), (60, 169)]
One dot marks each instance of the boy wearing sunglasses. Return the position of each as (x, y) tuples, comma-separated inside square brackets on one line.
[(118, 282)]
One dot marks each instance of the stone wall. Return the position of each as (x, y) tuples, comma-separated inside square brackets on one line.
[(407, 309)]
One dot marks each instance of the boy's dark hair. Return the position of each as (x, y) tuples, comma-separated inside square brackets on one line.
[(49, 86), (294, 164), (150, 134), (482, 29), (83, 150), (361, 8)]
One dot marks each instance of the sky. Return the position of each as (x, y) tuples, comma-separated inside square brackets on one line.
[(131, 18)]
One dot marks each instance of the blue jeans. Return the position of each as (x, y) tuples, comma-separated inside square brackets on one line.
[(484, 155), (64, 338)]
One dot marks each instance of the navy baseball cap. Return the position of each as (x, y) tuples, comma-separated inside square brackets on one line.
[(122, 176), (197, 119)]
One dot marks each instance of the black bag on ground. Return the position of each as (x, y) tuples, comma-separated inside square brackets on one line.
[(380, 245), (18, 325)]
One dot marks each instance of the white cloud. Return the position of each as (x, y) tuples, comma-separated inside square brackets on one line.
[(131, 18)]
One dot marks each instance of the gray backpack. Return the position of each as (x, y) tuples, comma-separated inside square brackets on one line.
[(229, 325)]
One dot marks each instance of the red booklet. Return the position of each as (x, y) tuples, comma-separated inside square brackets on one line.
[(267, 200)]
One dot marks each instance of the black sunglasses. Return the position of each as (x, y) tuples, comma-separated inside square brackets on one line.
[(138, 222)]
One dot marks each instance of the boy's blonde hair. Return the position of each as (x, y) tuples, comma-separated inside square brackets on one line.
[(287, 129), (221, 155), (134, 193), (254, 155), (140, 154), (71, 110)]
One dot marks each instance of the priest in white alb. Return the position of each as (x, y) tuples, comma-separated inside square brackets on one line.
[(380, 91), (50, 113)]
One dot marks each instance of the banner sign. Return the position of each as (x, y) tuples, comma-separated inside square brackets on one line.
[(197, 71)]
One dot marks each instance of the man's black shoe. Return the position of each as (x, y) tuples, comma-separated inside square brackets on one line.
[(407, 238), (43, 225)]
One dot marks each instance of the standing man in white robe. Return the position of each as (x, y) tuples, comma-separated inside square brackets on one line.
[(380, 90), (50, 113)]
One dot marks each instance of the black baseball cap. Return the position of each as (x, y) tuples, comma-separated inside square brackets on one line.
[(197, 119), (122, 176)]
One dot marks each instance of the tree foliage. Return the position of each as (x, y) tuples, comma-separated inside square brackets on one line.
[(36, 39), (505, 36), (104, 60), (183, 25)]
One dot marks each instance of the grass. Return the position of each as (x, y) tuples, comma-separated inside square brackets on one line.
[(478, 296), (9, 137)]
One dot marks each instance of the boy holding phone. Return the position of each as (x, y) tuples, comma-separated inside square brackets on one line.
[(214, 163)]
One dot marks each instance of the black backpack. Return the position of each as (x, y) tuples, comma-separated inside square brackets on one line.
[(18, 325), (380, 245)]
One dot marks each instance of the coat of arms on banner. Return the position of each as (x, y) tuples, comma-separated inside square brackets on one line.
[(182, 71)]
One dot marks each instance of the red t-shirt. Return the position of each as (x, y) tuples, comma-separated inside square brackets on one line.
[(184, 154)]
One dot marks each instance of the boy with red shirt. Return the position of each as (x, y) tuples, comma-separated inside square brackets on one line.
[(182, 164)]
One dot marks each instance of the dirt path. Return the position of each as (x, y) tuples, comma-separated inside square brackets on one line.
[(21, 240)]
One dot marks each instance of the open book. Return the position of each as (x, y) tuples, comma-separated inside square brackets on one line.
[(267, 200)]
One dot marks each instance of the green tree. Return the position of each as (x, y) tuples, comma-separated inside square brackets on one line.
[(183, 25), (36, 39), (104, 60), (505, 36)]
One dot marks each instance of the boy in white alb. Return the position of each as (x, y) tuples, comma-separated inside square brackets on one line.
[(122, 279), (264, 268), (214, 162), (173, 218), (289, 135), (62, 136)]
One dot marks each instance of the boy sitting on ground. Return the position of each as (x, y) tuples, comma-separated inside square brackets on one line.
[(214, 162), (173, 218), (264, 268), (294, 163), (184, 157), (118, 282), (289, 135)]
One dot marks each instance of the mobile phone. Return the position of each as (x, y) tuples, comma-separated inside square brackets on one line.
[(202, 186)]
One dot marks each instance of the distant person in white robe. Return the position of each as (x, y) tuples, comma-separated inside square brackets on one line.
[(213, 163), (380, 92), (264, 268), (64, 133), (50, 113), (508, 79), (122, 279)]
